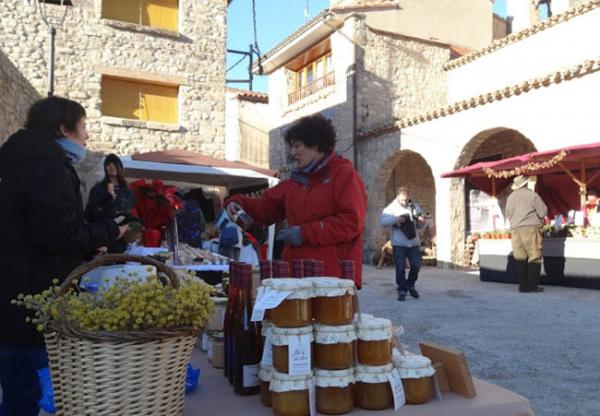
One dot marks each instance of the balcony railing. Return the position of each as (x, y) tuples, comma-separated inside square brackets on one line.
[(313, 87)]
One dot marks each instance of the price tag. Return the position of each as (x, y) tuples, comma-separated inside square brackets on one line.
[(271, 299), (258, 314), (251, 375), (299, 355), (397, 388), (267, 355), (312, 397)]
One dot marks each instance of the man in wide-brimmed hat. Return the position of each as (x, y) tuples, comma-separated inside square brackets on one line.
[(526, 211)]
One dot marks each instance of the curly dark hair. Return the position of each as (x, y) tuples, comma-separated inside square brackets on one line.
[(49, 114), (312, 131)]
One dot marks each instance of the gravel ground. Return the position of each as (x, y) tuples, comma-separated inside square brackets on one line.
[(545, 346)]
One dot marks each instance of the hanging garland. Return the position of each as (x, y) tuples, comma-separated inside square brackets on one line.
[(529, 167)]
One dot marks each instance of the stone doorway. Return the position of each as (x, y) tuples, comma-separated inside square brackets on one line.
[(493, 144), (403, 168)]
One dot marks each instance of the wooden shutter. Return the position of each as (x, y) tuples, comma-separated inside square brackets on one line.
[(122, 10), (120, 98), (159, 103), (161, 14)]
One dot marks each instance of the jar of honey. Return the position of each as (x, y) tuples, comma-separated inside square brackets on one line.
[(280, 338), (334, 347), (217, 317), (290, 394), (265, 374), (372, 390), (374, 344), (334, 391), (332, 302), (417, 377), (295, 311)]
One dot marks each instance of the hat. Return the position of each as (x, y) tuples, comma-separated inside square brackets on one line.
[(519, 182), (114, 159)]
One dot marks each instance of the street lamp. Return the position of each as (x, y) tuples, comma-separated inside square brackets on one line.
[(53, 20)]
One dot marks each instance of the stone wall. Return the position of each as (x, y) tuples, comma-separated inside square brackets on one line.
[(16, 95), (87, 44), (398, 77)]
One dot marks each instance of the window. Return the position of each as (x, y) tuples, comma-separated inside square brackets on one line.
[(162, 14), (137, 100), (314, 71)]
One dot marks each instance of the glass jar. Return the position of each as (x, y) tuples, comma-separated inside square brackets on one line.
[(217, 349), (416, 372), (290, 394), (217, 317), (334, 391), (372, 390), (334, 347), (332, 302), (265, 375), (280, 338), (295, 311), (374, 342)]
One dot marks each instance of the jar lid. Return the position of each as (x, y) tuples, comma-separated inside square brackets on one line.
[(282, 382), (219, 300), (265, 373), (265, 326), (373, 374), (280, 336), (331, 286), (415, 366), (326, 334), (374, 329), (300, 288), (334, 378)]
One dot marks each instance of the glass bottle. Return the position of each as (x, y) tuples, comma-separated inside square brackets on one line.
[(247, 338), (228, 323)]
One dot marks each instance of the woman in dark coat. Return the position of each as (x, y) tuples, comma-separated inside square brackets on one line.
[(110, 197), (44, 235)]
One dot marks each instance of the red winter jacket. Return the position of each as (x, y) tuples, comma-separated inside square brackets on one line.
[(330, 211)]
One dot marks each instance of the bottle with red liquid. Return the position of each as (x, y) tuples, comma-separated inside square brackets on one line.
[(228, 321), (281, 269), (247, 339), (307, 267), (297, 269), (318, 268)]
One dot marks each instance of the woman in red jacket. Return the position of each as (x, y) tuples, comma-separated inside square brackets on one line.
[(324, 201)]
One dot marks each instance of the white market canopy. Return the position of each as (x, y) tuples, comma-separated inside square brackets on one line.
[(192, 167)]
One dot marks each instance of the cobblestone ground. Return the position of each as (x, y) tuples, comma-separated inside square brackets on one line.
[(542, 346)]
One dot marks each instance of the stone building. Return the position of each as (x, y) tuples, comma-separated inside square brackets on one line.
[(247, 127), (408, 107), (535, 89), (150, 73)]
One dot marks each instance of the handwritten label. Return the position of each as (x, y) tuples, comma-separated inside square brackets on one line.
[(312, 397), (397, 388), (269, 300), (299, 362), (251, 375), (257, 313), (267, 355)]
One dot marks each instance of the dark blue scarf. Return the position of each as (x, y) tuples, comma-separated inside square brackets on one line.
[(303, 176)]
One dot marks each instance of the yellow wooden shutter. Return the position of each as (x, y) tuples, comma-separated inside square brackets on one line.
[(122, 10), (160, 13), (120, 98), (159, 103)]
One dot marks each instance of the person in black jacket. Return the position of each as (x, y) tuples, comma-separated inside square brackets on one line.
[(110, 197), (44, 235)]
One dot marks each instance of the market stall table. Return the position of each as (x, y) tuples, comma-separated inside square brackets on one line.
[(215, 396)]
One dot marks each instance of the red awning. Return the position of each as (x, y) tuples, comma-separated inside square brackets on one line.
[(186, 157), (573, 160)]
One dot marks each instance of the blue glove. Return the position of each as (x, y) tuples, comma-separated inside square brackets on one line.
[(291, 236)]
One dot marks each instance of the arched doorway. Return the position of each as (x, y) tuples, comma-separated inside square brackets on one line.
[(403, 168), (494, 144)]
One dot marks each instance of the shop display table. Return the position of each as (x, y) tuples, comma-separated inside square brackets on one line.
[(567, 261), (214, 396)]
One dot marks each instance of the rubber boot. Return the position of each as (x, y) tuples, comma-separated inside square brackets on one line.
[(533, 277), (522, 273)]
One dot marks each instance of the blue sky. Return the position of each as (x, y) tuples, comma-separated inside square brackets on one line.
[(275, 20)]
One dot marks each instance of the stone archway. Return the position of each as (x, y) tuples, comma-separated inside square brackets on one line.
[(403, 168), (497, 143)]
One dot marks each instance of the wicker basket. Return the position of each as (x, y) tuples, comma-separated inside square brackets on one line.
[(119, 373)]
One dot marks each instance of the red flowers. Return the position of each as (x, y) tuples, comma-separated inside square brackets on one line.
[(156, 202)]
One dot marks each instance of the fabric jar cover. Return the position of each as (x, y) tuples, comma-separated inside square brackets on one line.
[(376, 329), (300, 288), (282, 382), (372, 374), (415, 366), (334, 378), (331, 286), (280, 336), (325, 334)]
